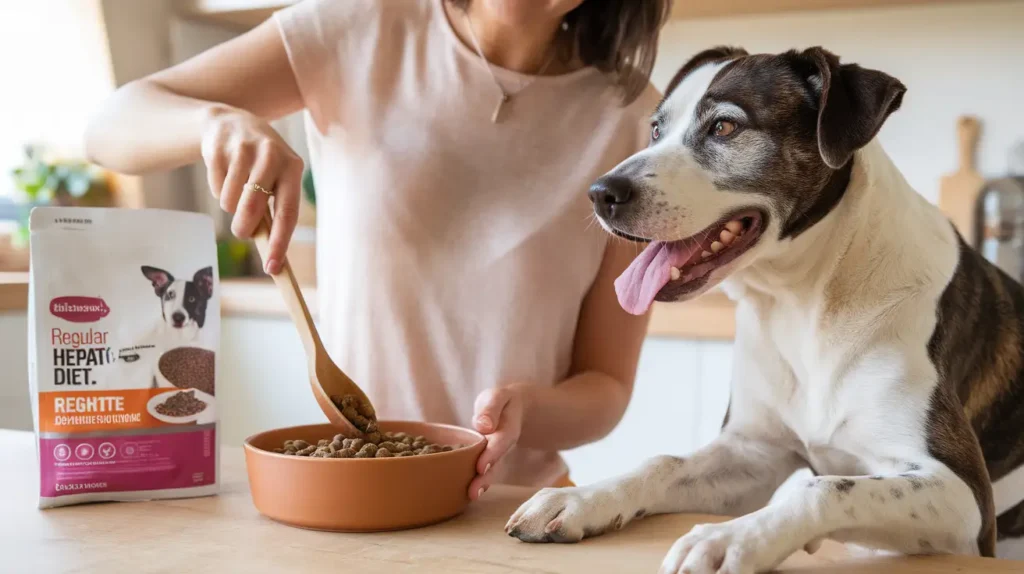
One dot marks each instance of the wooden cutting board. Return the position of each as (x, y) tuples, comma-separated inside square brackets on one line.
[(959, 190)]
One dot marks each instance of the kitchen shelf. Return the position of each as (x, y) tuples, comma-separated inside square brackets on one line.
[(244, 14), (710, 317)]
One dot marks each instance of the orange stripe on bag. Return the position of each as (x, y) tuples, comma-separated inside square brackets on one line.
[(87, 411)]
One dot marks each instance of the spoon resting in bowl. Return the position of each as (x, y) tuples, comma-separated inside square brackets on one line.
[(325, 378)]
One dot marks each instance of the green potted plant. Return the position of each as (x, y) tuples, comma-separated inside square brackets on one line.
[(45, 180)]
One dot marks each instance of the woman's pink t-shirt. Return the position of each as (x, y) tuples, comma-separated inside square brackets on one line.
[(453, 254)]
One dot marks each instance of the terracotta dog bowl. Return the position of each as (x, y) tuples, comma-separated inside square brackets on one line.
[(362, 494)]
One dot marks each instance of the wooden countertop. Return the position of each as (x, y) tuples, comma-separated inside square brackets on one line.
[(225, 534), (709, 317)]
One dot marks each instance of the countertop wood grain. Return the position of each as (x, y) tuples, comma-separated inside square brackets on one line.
[(224, 533)]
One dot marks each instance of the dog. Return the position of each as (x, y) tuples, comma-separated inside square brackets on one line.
[(182, 303), (873, 346)]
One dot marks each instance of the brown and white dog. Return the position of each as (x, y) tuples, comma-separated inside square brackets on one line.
[(872, 345)]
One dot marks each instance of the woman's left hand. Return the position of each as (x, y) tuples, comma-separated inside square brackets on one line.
[(498, 415)]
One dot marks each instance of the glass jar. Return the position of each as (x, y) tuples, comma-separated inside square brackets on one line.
[(999, 219)]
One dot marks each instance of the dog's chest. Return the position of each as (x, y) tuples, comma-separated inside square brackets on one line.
[(836, 422)]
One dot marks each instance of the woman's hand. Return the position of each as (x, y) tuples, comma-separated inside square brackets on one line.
[(239, 148), (498, 415)]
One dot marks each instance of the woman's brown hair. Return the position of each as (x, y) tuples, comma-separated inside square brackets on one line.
[(619, 37)]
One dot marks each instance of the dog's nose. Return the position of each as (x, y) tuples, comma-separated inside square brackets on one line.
[(609, 194), (178, 317)]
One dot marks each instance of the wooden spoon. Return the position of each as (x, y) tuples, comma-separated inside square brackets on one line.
[(325, 377)]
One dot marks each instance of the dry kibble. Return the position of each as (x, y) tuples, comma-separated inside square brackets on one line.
[(181, 404), (365, 409), (359, 413), (375, 444)]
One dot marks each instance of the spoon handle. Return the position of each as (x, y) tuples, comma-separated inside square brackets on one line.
[(290, 291)]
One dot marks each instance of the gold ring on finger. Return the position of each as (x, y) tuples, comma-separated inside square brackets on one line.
[(260, 188)]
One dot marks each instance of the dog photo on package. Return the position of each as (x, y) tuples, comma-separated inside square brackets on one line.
[(124, 323)]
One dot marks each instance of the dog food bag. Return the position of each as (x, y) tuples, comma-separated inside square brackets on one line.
[(124, 323)]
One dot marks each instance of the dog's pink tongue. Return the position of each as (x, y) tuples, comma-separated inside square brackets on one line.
[(649, 273)]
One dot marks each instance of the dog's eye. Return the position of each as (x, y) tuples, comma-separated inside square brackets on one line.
[(191, 299), (723, 128), (655, 131)]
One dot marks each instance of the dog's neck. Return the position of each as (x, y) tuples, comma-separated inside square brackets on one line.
[(857, 216), (828, 198)]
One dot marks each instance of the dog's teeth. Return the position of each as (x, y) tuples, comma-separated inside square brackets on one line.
[(717, 246), (734, 226), (726, 236), (705, 254), (675, 273)]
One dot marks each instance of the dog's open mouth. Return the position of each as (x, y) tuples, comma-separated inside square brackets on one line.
[(667, 270)]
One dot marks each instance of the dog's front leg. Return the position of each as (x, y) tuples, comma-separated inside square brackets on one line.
[(912, 513), (734, 474)]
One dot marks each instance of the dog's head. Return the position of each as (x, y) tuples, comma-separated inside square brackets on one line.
[(745, 151), (182, 303)]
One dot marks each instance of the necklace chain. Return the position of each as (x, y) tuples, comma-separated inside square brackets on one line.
[(506, 96)]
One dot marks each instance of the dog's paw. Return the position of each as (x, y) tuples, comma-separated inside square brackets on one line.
[(566, 515), (740, 546)]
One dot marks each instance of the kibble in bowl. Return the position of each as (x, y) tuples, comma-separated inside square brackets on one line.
[(363, 493), (181, 406), (187, 368)]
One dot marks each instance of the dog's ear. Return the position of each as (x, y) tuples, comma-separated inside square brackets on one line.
[(853, 103), (203, 281), (716, 54), (158, 277)]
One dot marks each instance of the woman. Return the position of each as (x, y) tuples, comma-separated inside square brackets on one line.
[(461, 278)]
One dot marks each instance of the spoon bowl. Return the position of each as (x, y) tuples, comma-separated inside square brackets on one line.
[(325, 378)]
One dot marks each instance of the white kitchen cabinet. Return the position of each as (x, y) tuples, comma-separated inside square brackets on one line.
[(679, 400)]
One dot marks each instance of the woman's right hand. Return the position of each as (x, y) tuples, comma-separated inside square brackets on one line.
[(240, 148)]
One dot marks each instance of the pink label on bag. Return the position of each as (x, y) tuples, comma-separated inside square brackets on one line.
[(79, 309), (127, 463)]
